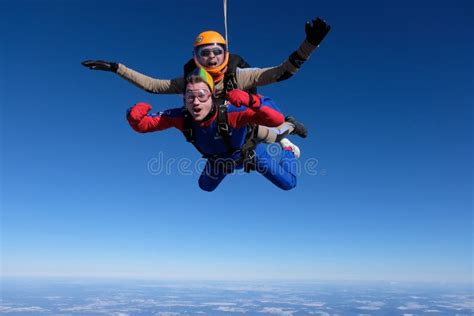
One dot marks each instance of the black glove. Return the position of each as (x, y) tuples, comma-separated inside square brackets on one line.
[(100, 65), (316, 30)]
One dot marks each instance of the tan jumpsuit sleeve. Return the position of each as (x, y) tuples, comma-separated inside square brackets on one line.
[(152, 85), (248, 78)]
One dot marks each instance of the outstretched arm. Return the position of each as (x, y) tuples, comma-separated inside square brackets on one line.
[(141, 121), (248, 78), (258, 110), (152, 85)]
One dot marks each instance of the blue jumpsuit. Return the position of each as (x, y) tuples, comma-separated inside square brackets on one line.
[(280, 172)]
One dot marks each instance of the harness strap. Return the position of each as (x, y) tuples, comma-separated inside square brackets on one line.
[(248, 154), (188, 130), (223, 127)]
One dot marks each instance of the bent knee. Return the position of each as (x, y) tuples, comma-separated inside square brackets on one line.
[(288, 185), (206, 186)]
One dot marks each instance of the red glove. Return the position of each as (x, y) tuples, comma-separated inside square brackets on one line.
[(240, 97), (139, 111)]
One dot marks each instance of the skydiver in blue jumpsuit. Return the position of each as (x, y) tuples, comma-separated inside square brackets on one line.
[(204, 123)]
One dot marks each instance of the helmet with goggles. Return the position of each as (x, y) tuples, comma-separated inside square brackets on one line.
[(207, 43), (209, 37)]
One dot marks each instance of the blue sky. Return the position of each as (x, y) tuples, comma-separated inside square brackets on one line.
[(387, 99)]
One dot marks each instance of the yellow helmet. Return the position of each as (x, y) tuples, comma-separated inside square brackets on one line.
[(205, 76), (209, 37)]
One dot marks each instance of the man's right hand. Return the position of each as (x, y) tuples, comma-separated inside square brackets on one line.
[(100, 65)]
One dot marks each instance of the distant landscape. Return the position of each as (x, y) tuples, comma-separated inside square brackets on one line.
[(127, 297)]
